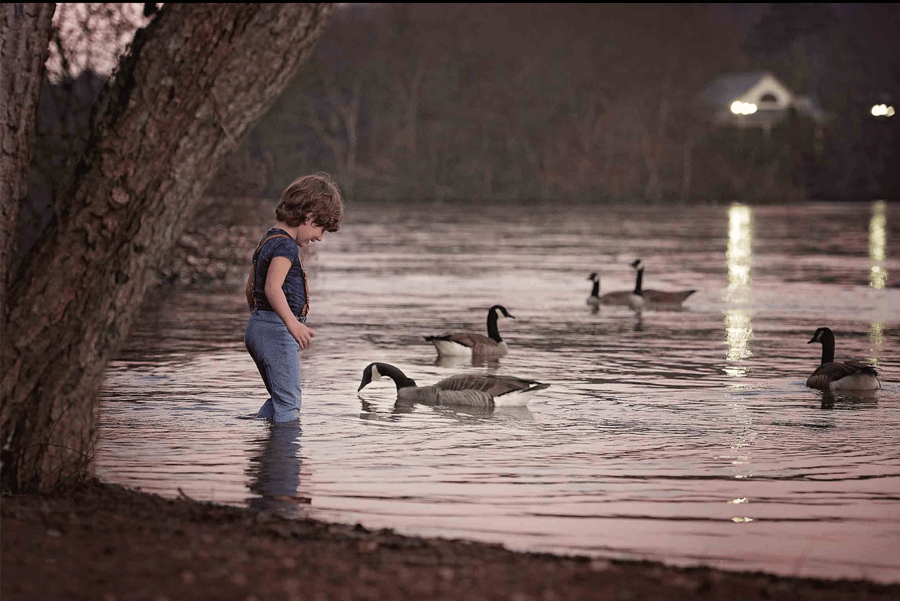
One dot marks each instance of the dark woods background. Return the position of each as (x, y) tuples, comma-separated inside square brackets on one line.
[(591, 102)]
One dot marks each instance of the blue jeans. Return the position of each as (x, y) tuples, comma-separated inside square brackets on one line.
[(277, 357)]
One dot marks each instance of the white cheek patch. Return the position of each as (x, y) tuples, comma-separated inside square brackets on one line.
[(375, 374), (498, 312)]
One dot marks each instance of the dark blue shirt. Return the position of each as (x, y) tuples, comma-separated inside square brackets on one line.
[(293, 286)]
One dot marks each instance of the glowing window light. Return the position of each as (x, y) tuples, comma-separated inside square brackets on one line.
[(743, 108), (878, 110)]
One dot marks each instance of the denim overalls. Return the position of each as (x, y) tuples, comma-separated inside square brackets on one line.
[(275, 352)]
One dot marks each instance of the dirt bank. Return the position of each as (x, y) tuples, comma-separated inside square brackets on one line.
[(105, 542)]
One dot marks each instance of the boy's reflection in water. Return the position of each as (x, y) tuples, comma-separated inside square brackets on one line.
[(274, 474)]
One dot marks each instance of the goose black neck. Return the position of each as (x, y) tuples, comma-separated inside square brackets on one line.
[(595, 291), (399, 378), (827, 347), (493, 331), (639, 281)]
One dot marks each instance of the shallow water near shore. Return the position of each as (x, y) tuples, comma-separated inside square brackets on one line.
[(687, 437)]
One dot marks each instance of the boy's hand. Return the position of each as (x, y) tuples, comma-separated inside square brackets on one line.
[(303, 334)]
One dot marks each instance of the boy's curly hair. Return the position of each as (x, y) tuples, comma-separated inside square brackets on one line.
[(315, 195)]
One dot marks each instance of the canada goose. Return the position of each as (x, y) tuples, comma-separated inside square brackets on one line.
[(467, 344), (656, 297), (840, 375), (473, 390), (619, 297)]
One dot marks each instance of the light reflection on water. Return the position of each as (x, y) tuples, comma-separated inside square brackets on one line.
[(682, 436), (739, 258), (878, 244)]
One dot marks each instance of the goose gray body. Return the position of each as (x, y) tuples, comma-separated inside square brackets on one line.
[(659, 298), (840, 375), (468, 344), (472, 390)]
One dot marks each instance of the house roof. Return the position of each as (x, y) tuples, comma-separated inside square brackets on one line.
[(760, 88), (728, 87)]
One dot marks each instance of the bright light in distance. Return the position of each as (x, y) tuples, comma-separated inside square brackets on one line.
[(743, 108), (879, 110)]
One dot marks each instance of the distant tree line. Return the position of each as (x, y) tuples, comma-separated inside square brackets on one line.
[(584, 101), (558, 101)]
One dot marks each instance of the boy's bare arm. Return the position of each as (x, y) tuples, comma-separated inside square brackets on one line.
[(278, 270)]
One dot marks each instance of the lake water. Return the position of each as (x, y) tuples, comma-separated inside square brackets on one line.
[(687, 437)]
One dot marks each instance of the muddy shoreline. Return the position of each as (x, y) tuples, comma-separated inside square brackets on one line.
[(107, 542)]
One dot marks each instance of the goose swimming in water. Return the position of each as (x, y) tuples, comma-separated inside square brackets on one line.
[(619, 297), (840, 375), (473, 390), (467, 344), (655, 297)]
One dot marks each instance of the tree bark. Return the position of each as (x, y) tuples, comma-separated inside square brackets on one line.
[(24, 34), (190, 85)]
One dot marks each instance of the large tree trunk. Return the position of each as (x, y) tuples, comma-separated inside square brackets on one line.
[(190, 85), (24, 34)]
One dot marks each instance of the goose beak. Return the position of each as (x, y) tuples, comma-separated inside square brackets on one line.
[(367, 378)]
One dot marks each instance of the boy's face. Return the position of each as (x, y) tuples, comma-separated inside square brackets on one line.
[(309, 232)]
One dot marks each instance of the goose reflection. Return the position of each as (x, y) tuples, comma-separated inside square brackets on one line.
[(274, 473), (474, 361), (858, 400), (638, 321), (371, 411)]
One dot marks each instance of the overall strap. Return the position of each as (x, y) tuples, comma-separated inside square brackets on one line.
[(305, 308), (263, 241)]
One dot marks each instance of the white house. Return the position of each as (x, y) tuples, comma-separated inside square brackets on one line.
[(756, 99)]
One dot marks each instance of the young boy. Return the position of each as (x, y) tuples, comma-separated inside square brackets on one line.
[(278, 293)]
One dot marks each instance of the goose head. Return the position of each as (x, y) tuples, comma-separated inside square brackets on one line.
[(821, 335), (500, 311), (376, 371)]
